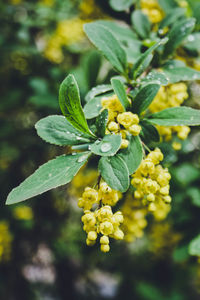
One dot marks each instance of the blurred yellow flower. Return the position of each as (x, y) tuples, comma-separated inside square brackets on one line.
[(23, 213), (5, 241)]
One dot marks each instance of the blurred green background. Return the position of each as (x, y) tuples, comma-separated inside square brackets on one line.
[(43, 255)]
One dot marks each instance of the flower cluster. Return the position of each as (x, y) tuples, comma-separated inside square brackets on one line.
[(152, 9), (70, 31), (171, 96), (67, 33), (151, 181), (120, 122), (163, 239), (98, 216), (134, 218), (5, 241)]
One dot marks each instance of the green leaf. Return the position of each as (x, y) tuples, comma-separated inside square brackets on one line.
[(176, 116), (196, 13), (121, 31), (120, 91), (167, 5), (194, 194), (177, 34), (156, 77), (144, 60), (104, 40), (52, 174), (93, 108), (141, 23), (57, 130), (149, 132), (127, 38), (192, 44), (108, 146), (133, 154), (101, 122), (185, 174), (194, 246), (177, 74), (144, 97), (120, 5), (97, 90), (172, 16), (92, 64), (70, 104), (115, 172)]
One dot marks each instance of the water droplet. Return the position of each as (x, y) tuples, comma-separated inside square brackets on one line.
[(50, 174), (190, 38), (105, 147), (73, 153), (82, 158), (97, 142), (195, 76), (78, 138)]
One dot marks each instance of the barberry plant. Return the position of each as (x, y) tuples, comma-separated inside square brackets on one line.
[(123, 122)]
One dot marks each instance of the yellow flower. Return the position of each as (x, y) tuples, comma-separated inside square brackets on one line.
[(151, 181), (23, 212), (172, 95), (152, 9), (101, 221), (127, 119)]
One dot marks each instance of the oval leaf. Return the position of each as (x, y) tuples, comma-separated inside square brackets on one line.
[(57, 130), (54, 173), (156, 77), (120, 91), (149, 132), (109, 145), (101, 122), (132, 155), (144, 97), (104, 40), (144, 60), (141, 23), (177, 74), (175, 116), (120, 5), (177, 34), (194, 246), (98, 90), (115, 172), (70, 104)]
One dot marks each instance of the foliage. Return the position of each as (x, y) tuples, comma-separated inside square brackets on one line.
[(115, 114)]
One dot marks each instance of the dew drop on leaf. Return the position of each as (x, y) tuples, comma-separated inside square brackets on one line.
[(82, 158), (105, 147)]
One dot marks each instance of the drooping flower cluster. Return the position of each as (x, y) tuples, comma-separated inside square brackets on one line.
[(152, 9), (151, 181), (98, 218), (163, 239), (171, 96), (120, 122), (134, 218)]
